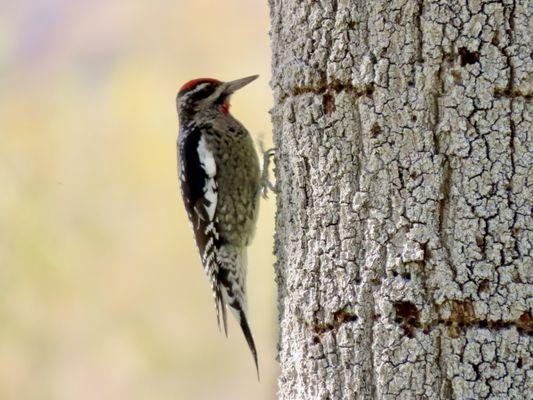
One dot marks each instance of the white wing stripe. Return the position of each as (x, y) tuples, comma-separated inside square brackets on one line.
[(210, 190)]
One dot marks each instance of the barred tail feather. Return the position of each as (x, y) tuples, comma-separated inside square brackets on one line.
[(220, 306), (232, 278)]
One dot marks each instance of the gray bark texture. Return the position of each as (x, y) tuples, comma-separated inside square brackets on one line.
[(404, 230)]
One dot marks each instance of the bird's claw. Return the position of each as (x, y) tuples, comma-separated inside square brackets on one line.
[(265, 183)]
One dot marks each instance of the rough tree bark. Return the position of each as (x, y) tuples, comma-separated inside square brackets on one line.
[(403, 135)]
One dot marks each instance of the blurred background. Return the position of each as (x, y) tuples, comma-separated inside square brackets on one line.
[(102, 295)]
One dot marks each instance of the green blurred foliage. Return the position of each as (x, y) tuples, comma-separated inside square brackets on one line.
[(102, 295)]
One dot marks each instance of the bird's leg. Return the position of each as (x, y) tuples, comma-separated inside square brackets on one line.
[(264, 182)]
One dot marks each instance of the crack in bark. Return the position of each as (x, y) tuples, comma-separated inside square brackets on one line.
[(418, 25), (444, 205), (514, 93), (373, 383), (462, 316), (446, 388), (509, 91)]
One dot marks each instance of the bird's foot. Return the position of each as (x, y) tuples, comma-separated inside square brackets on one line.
[(264, 181)]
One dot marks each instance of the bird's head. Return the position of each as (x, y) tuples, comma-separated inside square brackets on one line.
[(208, 95)]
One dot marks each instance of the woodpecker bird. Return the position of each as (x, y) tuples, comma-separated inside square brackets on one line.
[(220, 185)]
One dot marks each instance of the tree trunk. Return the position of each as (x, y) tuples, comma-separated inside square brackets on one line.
[(403, 135)]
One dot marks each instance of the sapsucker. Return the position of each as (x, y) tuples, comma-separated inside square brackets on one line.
[(220, 185)]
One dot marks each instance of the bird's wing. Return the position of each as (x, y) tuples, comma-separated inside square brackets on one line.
[(198, 172)]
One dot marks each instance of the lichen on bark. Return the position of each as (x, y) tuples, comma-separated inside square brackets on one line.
[(403, 233)]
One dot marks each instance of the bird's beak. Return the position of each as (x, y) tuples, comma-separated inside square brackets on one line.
[(235, 85)]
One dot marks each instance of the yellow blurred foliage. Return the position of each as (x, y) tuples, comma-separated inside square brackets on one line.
[(102, 295)]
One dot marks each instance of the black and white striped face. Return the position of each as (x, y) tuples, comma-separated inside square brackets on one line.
[(199, 94)]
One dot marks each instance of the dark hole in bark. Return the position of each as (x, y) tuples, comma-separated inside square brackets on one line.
[(339, 317), (475, 367), (496, 39), (526, 322), (480, 242), (468, 57), (376, 129), (483, 286), (406, 310), (497, 325), (370, 89), (409, 313), (328, 103), (343, 316)]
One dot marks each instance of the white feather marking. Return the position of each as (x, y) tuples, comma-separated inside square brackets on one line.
[(206, 158), (208, 164), (211, 228)]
